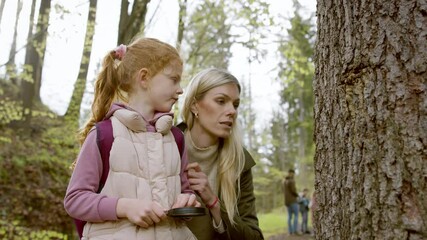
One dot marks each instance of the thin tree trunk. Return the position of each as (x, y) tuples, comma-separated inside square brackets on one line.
[(27, 83), (10, 65), (131, 24), (40, 46), (73, 111), (34, 59), (181, 23), (2, 3), (371, 120)]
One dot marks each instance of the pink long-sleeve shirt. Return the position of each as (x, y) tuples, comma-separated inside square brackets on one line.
[(82, 200)]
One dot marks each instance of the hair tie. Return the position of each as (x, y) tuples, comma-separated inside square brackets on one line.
[(120, 52)]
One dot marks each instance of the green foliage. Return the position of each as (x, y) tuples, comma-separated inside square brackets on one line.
[(296, 75), (34, 171), (287, 141), (207, 35), (252, 21), (13, 231)]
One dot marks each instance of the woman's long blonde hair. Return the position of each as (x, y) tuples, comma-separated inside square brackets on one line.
[(231, 155), (117, 76)]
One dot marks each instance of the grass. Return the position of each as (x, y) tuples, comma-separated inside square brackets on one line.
[(273, 223), (276, 222)]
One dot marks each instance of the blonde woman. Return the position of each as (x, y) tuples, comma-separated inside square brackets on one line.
[(219, 168)]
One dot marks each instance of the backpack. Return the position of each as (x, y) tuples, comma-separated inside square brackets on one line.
[(104, 140)]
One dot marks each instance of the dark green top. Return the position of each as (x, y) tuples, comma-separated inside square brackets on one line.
[(246, 226)]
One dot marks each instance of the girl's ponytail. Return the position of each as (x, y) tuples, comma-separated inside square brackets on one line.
[(106, 92)]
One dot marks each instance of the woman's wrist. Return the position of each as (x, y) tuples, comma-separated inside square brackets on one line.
[(213, 204)]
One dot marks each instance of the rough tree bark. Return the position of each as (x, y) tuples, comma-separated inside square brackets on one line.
[(133, 23), (371, 119)]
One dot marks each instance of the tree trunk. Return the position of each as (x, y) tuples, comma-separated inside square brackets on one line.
[(40, 46), (2, 3), (36, 48), (131, 24), (73, 111), (181, 23), (371, 120), (27, 83), (11, 66)]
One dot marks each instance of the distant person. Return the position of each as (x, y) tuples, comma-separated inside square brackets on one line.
[(220, 169), (136, 89), (304, 203), (291, 201)]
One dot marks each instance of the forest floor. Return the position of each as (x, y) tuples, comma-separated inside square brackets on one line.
[(287, 236)]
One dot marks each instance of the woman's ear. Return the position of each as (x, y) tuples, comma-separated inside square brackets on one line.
[(194, 108), (143, 77)]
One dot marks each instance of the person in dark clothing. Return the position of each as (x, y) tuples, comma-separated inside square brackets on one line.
[(291, 201), (304, 202)]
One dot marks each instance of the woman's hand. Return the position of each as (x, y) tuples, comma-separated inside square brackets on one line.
[(139, 212), (186, 200), (199, 183)]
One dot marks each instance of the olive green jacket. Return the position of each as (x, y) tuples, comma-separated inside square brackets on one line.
[(246, 226)]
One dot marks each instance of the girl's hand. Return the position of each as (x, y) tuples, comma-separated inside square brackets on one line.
[(199, 183), (141, 213), (186, 200)]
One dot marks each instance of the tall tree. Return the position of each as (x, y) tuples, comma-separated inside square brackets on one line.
[(268, 176), (39, 42), (181, 22), (250, 22), (133, 23), (371, 120), (2, 3), (73, 112), (10, 65), (27, 83), (35, 50), (207, 37), (296, 74)]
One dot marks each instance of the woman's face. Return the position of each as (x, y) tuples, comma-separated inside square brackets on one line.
[(217, 110)]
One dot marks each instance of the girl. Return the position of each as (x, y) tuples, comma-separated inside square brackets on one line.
[(146, 176), (220, 168)]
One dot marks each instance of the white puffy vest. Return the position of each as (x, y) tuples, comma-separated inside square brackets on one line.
[(146, 166)]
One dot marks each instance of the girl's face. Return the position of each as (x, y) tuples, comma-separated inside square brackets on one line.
[(217, 110), (165, 88)]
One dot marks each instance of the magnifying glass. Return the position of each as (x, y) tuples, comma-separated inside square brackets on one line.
[(186, 212)]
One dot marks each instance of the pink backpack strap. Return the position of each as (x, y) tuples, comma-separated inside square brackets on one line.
[(104, 139), (179, 139)]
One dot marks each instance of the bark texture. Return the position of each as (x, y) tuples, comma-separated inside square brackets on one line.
[(371, 119)]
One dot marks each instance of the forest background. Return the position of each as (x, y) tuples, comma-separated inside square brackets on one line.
[(368, 86), (37, 131)]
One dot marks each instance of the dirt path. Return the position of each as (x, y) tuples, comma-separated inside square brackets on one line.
[(291, 237)]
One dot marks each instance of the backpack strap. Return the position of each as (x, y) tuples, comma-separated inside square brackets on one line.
[(179, 139), (104, 140)]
